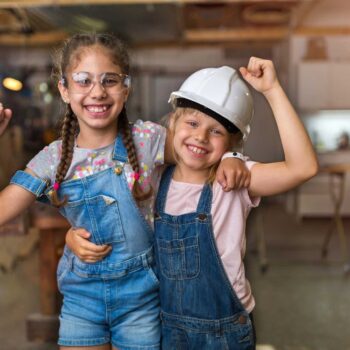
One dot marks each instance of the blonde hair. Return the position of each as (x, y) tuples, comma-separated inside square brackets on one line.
[(171, 121)]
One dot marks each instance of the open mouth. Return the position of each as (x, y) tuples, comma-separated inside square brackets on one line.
[(197, 150), (97, 108)]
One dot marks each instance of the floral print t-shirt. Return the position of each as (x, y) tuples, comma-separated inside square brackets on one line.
[(149, 139)]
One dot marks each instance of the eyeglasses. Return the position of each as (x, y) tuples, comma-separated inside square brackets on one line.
[(111, 83)]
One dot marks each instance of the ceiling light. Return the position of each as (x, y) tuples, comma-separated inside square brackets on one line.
[(12, 84)]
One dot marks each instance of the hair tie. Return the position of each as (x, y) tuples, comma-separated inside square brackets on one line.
[(136, 176), (56, 186)]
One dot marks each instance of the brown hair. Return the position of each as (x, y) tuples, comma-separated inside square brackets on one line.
[(70, 53), (178, 112)]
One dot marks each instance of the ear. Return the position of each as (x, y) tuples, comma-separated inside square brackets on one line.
[(126, 94), (171, 121), (63, 91)]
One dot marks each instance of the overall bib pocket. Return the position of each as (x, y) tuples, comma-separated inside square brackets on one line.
[(100, 216), (179, 258)]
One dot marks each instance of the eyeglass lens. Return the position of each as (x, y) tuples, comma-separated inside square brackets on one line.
[(84, 82)]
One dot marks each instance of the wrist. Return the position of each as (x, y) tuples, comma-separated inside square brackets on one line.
[(234, 154), (276, 89)]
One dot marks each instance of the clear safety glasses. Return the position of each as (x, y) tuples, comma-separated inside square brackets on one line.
[(111, 83)]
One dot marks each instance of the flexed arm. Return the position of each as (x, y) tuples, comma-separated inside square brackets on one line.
[(13, 199), (300, 162)]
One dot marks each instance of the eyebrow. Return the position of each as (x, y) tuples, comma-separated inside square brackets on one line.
[(80, 72)]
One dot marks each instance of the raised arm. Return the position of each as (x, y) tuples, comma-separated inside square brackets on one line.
[(13, 199), (300, 162), (5, 116)]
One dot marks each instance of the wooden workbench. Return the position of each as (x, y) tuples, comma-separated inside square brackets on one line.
[(43, 326)]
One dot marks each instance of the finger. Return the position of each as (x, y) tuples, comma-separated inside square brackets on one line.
[(94, 256), (5, 113), (247, 76), (247, 183), (94, 248), (231, 182), (90, 260), (246, 180), (241, 182), (220, 177), (102, 254), (80, 232), (255, 67), (8, 114)]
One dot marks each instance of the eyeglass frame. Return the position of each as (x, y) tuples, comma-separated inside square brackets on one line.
[(126, 80)]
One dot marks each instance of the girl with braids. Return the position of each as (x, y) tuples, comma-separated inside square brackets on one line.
[(102, 175)]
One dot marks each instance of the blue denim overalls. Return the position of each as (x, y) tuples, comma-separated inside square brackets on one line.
[(199, 308), (115, 300)]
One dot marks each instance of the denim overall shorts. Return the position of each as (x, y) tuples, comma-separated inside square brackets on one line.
[(199, 308), (115, 300)]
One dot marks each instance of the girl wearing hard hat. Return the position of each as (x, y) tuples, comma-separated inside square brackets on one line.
[(206, 300)]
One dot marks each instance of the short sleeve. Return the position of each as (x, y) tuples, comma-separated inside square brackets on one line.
[(149, 140), (44, 164)]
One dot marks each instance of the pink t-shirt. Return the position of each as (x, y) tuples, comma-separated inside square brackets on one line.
[(229, 212)]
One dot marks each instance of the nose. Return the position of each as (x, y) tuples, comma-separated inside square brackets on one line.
[(97, 90), (201, 135)]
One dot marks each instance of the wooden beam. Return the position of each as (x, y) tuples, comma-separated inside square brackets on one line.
[(302, 11), (321, 31), (37, 39), (41, 3), (238, 34)]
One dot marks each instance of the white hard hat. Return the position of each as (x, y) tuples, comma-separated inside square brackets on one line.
[(220, 93)]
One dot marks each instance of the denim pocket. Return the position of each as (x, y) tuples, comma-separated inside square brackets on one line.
[(100, 216), (153, 275), (179, 258), (62, 269)]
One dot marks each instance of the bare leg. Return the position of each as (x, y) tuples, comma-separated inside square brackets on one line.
[(98, 347)]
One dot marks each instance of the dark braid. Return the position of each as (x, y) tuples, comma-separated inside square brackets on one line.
[(124, 127), (68, 133)]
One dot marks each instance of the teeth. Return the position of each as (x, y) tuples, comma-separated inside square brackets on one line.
[(96, 109), (197, 150)]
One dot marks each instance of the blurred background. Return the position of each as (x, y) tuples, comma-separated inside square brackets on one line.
[(298, 251)]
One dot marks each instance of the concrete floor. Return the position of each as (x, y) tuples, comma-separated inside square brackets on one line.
[(303, 302)]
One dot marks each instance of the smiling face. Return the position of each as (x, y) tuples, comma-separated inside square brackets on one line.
[(199, 143), (98, 108)]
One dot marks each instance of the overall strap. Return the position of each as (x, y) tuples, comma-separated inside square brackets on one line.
[(163, 188), (119, 151), (204, 203)]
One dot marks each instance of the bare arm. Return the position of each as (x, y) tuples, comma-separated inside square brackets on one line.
[(13, 201), (300, 162)]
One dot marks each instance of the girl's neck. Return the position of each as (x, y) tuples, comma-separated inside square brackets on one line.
[(191, 176), (96, 138)]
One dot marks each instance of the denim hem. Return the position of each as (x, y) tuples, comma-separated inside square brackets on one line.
[(83, 342), (29, 182), (121, 346)]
